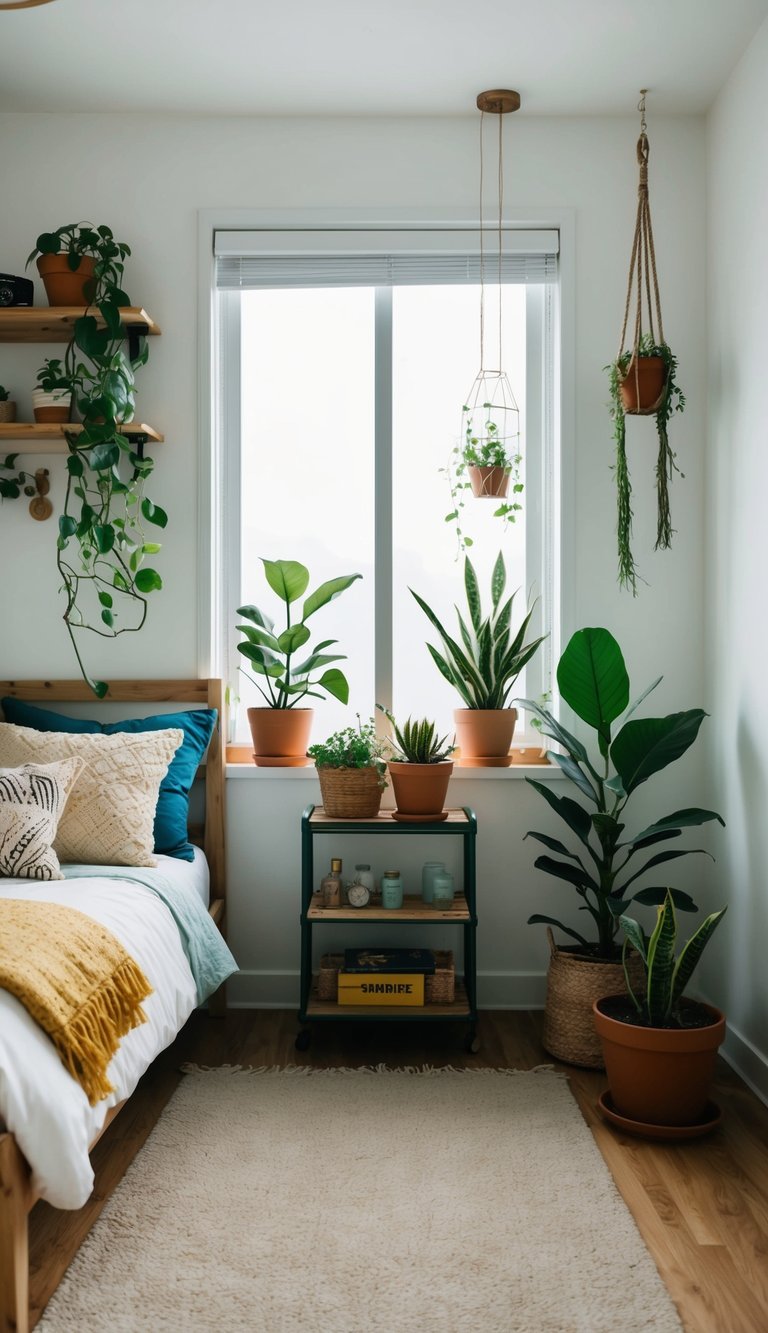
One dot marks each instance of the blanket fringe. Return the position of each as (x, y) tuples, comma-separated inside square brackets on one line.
[(88, 1041), (430, 1071)]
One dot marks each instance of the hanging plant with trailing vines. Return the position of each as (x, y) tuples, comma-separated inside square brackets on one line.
[(643, 379), (102, 543)]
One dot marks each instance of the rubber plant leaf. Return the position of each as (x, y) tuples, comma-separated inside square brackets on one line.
[(647, 745), (335, 682), (287, 578), (593, 680), (326, 593)]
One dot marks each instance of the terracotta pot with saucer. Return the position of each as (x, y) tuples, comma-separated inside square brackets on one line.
[(280, 736), (420, 790)]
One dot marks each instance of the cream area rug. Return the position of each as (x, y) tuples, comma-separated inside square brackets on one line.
[(370, 1201)]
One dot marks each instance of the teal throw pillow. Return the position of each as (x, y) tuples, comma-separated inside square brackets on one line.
[(172, 810)]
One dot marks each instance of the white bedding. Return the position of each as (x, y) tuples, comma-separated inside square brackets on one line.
[(40, 1102)]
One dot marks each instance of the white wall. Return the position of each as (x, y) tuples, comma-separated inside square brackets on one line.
[(148, 177), (737, 549)]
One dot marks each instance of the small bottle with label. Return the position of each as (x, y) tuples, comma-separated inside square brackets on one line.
[(330, 885), (391, 890)]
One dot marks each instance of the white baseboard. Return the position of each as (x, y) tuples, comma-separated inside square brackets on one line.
[(280, 990), (748, 1062)]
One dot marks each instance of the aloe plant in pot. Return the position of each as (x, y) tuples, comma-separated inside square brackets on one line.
[(660, 1047), (281, 728), (420, 768), (607, 866), (484, 667)]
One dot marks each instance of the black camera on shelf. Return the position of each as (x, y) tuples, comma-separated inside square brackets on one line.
[(15, 291)]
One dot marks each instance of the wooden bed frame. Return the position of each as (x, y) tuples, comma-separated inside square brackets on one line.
[(17, 1197)]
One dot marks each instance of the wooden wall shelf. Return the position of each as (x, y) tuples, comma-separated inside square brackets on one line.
[(37, 437), (48, 324)]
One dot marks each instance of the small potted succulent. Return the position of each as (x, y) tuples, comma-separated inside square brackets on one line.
[(52, 399), (660, 1047), (351, 770), (280, 728), (7, 406), (483, 668), (75, 259), (420, 769)]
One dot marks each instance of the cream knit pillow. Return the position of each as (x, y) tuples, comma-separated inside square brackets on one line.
[(32, 799), (109, 817)]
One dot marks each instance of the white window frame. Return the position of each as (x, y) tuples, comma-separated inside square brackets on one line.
[(219, 456)]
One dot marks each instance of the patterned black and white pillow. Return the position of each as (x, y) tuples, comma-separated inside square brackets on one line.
[(32, 800)]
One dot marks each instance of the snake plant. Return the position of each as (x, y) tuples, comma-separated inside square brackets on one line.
[(666, 976), (417, 742)]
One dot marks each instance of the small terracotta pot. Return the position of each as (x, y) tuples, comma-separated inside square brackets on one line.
[(280, 733), (648, 375), (491, 483), (420, 789), (7, 410), (484, 733), (659, 1076), (63, 286)]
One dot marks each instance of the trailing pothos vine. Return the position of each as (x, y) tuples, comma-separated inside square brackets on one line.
[(672, 400), (102, 544)]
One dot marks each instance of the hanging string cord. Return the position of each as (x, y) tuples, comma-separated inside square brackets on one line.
[(501, 203), (482, 255)]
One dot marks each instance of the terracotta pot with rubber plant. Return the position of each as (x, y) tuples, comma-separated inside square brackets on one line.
[(660, 1048), (420, 770), (285, 670), (483, 662)]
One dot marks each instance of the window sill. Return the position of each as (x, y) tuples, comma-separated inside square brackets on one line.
[(250, 772)]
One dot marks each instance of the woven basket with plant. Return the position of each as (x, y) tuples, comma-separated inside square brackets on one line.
[(351, 771)]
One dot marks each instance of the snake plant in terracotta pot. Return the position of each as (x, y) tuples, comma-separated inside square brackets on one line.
[(660, 1047), (484, 667), (281, 728), (606, 866)]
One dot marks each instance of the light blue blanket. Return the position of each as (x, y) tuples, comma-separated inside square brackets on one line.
[(209, 958)]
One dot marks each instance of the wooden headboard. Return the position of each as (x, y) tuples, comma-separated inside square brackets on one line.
[(199, 694)]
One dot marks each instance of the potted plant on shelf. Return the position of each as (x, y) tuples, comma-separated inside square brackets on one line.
[(73, 260), (280, 729), (351, 769), (606, 865), (483, 668), (52, 399), (643, 383), (420, 769), (7, 406), (660, 1047)]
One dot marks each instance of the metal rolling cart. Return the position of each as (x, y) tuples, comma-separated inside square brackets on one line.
[(462, 912)]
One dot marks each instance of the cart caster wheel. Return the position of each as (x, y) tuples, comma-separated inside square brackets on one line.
[(472, 1043), (302, 1041)]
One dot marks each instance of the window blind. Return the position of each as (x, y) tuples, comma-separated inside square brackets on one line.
[(367, 258)]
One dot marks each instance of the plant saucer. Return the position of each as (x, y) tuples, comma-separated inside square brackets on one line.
[(419, 819), (282, 760), (710, 1119)]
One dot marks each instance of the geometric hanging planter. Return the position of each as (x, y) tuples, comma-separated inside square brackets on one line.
[(643, 377)]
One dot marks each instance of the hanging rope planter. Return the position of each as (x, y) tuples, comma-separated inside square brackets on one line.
[(643, 377), (487, 461)]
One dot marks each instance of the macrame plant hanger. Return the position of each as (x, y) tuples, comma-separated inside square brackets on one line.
[(643, 377), (490, 425)]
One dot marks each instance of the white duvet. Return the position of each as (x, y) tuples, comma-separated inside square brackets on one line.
[(40, 1102)]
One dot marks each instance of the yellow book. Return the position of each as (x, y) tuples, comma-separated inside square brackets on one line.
[(382, 988)]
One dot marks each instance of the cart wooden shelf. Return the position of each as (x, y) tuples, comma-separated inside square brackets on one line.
[(462, 913)]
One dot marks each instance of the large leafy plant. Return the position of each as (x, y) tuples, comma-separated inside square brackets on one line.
[(283, 683), (666, 976), (607, 864), (485, 665)]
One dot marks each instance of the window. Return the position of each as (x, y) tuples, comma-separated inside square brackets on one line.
[(341, 361)]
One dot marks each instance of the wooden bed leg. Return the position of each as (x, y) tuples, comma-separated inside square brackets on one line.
[(15, 1203)]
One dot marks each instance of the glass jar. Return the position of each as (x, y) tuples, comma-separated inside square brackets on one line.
[(391, 889), (429, 870), (364, 875), (442, 889)]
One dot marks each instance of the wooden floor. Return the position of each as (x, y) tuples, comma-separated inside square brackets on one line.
[(702, 1206)]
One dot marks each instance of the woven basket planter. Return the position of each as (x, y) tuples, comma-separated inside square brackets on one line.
[(350, 793), (439, 988), (573, 984)]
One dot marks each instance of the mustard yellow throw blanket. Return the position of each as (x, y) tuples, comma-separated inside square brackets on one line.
[(76, 980)]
